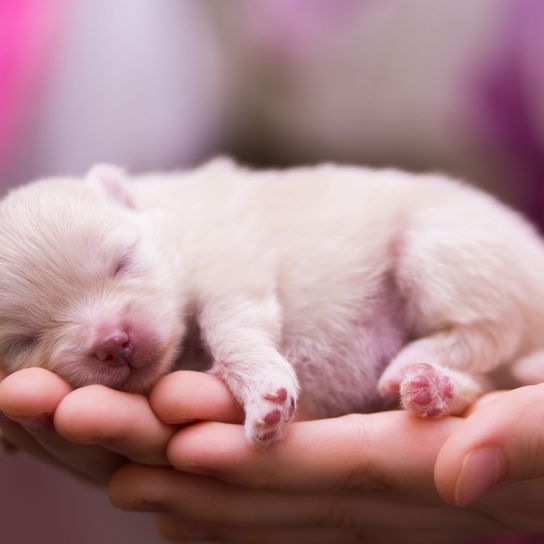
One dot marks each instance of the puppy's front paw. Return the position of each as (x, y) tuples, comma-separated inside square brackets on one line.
[(268, 412), (426, 391)]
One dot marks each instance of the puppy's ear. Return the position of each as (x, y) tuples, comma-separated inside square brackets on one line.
[(110, 182)]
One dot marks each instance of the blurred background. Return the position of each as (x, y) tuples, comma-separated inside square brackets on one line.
[(445, 85)]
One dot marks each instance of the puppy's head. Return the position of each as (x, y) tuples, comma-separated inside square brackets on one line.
[(86, 289)]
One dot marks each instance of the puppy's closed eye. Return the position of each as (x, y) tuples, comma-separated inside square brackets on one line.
[(122, 266), (125, 261), (20, 343)]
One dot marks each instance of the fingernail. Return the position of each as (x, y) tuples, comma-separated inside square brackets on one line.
[(482, 469)]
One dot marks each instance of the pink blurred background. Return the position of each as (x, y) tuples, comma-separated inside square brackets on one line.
[(424, 85)]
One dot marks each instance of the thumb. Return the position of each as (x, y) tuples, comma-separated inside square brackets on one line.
[(501, 442)]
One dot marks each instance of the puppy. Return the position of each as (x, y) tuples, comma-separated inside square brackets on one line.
[(338, 288)]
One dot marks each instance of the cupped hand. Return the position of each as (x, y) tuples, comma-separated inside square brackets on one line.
[(351, 479), (498, 453), (358, 478), (90, 431)]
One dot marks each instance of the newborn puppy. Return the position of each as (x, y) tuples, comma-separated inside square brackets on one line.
[(363, 286)]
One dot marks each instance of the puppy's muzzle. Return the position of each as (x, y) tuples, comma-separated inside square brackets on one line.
[(115, 349)]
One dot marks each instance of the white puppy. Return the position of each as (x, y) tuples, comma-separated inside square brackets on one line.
[(347, 281)]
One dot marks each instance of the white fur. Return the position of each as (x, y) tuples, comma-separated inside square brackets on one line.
[(320, 276)]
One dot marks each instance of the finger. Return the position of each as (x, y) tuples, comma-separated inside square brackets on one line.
[(483, 401), (185, 396), (121, 422), (175, 529), (420, 537), (19, 438), (501, 442), (30, 397), (207, 501), (91, 464), (366, 452)]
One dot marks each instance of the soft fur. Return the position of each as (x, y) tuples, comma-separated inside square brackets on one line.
[(346, 281)]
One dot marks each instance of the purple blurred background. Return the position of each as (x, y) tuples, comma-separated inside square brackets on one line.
[(456, 86)]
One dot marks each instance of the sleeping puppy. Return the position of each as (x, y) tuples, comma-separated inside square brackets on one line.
[(338, 288)]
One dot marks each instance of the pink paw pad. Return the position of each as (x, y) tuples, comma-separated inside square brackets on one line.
[(274, 411), (278, 396), (426, 391)]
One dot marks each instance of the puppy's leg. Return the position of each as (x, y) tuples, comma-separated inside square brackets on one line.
[(242, 335), (463, 302), (431, 376)]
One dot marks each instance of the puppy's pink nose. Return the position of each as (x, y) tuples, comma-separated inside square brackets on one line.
[(115, 349)]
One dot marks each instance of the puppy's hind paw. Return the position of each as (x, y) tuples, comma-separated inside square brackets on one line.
[(426, 391)]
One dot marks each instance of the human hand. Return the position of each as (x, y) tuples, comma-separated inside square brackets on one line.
[(498, 453), (359, 478), (317, 484), (90, 431)]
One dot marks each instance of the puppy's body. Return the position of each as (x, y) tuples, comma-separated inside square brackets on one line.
[(322, 277)]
